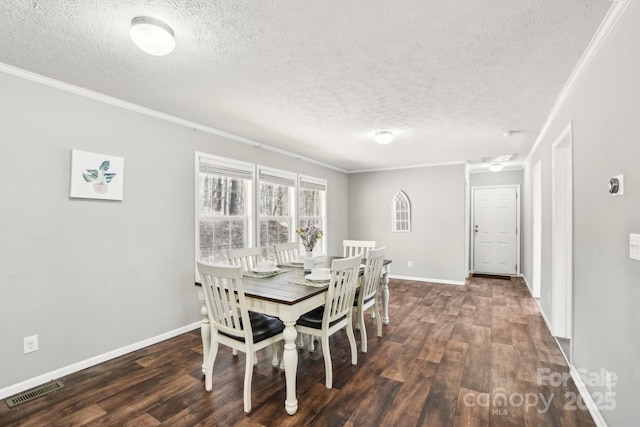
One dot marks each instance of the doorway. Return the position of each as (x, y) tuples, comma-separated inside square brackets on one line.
[(496, 242), (562, 238)]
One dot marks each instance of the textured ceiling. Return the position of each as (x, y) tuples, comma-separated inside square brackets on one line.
[(318, 78)]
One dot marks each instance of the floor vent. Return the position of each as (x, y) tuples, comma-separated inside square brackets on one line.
[(34, 393)]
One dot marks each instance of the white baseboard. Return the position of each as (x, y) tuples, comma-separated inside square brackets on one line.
[(58, 373), (424, 279), (577, 379), (526, 282), (587, 399)]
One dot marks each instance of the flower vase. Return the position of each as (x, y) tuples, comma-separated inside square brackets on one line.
[(308, 261)]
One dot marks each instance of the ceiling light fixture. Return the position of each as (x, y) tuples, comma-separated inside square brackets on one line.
[(496, 167), (152, 36), (383, 137)]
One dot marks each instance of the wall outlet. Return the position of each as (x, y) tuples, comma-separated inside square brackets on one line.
[(409, 264), (30, 344)]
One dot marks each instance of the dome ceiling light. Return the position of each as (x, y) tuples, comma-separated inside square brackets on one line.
[(152, 36), (383, 137)]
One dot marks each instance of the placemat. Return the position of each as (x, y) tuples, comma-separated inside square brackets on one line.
[(292, 265), (263, 275), (306, 282)]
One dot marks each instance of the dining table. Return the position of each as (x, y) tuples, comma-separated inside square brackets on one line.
[(287, 294)]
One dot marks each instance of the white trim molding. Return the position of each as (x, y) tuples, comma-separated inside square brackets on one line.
[(47, 81), (425, 279), (608, 23), (83, 364), (586, 397)]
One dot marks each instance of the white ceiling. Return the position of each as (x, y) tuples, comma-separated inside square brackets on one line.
[(318, 78)]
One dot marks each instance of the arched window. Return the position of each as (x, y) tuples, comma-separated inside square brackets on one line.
[(400, 213)]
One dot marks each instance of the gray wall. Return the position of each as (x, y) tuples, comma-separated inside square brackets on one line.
[(506, 177), (605, 111), (92, 276), (436, 243)]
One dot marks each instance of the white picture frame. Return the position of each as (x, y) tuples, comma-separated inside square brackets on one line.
[(96, 176)]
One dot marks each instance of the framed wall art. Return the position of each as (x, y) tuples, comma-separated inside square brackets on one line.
[(96, 176)]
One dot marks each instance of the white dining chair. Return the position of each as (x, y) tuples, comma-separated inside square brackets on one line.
[(247, 258), (336, 313), (352, 248), (231, 323), (287, 253), (367, 293)]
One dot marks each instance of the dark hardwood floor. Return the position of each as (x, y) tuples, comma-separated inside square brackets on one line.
[(452, 356)]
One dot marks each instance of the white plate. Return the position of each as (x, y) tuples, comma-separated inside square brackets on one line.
[(313, 279), (265, 270)]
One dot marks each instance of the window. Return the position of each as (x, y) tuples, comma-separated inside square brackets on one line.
[(401, 213), (223, 207), (239, 208), (312, 206), (276, 209)]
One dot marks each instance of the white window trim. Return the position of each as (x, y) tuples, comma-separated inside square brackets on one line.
[(253, 215), (232, 163)]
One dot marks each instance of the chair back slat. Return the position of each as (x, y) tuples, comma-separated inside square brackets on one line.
[(247, 258), (286, 253), (352, 248), (225, 300), (342, 289), (372, 272)]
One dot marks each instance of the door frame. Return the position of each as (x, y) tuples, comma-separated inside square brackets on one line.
[(562, 234), (472, 244), (536, 219)]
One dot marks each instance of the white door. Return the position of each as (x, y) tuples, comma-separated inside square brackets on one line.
[(495, 231)]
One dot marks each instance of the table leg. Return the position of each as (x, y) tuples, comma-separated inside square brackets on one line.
[(385, 295), (290, 357)]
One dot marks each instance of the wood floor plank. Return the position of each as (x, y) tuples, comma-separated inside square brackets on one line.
[(375, 404), (410, 399), (470, 411), (476, 373), (440, 406), (445, 347)]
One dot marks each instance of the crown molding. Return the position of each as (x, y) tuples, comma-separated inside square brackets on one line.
[(57, 84), (613, 14), (424, 165)]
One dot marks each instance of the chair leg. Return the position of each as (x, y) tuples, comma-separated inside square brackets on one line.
[(312, 345), (208, 376), (248, 375), (376, 310), (326, 355), (352, 343), (234, 352), (363, 329), (255, 358)]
